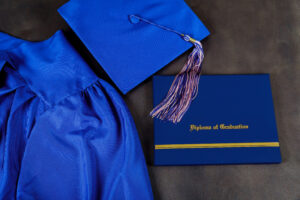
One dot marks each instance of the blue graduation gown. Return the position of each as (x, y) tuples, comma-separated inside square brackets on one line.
[(64, 133)]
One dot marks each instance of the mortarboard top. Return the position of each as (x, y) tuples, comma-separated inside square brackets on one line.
[(132, 52)]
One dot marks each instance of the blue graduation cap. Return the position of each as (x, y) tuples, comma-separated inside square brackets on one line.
[(132, 40)]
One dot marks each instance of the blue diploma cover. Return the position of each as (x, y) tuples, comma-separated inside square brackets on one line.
[(231, 121)]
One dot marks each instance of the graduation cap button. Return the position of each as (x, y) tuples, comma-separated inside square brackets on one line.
[(133, 19)]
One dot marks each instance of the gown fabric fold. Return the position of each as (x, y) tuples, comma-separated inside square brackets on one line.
[(64, 133)]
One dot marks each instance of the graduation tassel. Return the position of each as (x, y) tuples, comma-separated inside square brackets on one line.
[(185, 85), (183, 89)]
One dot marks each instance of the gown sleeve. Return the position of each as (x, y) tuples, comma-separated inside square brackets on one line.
[(85, 147), (19, 108)]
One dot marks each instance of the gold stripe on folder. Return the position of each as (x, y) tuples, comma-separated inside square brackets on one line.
[(216, 145)]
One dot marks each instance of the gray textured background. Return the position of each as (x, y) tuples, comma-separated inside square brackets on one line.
[(248, 37)]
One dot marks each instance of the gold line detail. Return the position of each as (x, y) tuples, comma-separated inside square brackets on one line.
[(216, 145)]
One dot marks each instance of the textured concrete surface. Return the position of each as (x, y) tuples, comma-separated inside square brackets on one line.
[(248, 37)]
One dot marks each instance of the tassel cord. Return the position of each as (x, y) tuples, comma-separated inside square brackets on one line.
[(184, 88)]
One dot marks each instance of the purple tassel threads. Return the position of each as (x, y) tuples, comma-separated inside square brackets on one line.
[(185, 85)]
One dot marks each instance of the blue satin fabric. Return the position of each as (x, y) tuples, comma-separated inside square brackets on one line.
[(64, 133)]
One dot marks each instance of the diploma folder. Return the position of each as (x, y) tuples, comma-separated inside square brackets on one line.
[(231, 121)]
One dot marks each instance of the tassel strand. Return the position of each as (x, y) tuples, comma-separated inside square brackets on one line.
[(184, 87)]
